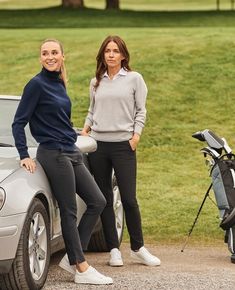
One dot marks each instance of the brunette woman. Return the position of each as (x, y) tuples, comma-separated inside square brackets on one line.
[(115, 120)]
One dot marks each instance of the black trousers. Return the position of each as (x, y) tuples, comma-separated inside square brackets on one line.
[(67, 176), (120, 157)]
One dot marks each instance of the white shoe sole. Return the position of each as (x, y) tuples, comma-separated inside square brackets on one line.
[(100, 282), (139, 260), (67, 267), (116, 264)]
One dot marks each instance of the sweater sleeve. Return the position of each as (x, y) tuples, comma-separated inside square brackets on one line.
[(23, 115), (89, 117), (140, 101)]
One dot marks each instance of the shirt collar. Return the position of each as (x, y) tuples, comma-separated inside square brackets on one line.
[(122, 72)]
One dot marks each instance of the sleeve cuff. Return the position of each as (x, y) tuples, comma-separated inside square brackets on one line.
[(88, 122), (24, 155), (138, 129)]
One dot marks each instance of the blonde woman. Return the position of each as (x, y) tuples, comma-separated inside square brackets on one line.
[(46, 106)]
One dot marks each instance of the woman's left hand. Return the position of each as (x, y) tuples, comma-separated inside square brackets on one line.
[(29, 164), (134, 141)]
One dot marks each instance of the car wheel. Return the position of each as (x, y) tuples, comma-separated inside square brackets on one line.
[(231, 239), (30, 267), (97, 241)]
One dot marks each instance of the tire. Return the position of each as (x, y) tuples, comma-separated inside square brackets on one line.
[(30, 267), (231, 239), (233, 258), (97, 241)]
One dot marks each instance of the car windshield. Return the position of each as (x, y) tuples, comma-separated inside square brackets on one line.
[(7, 111)]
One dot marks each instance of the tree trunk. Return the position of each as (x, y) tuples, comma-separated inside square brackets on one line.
[(217, 4), (112, 4), (73, 3), (232, 4)]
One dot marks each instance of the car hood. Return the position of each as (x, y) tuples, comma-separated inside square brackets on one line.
[(9, 161)]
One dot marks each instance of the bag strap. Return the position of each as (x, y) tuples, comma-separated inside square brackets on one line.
[(230, 156)]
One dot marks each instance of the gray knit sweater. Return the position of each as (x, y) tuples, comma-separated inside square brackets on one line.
[(117, 108)]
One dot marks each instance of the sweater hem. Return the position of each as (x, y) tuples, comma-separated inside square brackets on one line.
[(117, 136)]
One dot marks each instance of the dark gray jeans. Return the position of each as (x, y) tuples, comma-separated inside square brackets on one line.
[(67, 176), (120, 157)]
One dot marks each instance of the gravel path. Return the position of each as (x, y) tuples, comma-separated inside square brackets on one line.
[(197, 268)]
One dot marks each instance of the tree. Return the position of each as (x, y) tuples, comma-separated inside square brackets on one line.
[(218, 4), (232, 4), (73, 3), (112, 4)]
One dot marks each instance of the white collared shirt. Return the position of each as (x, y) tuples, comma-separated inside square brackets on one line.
[(122, 72)]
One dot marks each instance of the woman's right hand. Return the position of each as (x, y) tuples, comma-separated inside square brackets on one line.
[(29, 164), (85, 131)]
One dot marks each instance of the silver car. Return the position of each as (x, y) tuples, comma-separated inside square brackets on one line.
[(30, 228)]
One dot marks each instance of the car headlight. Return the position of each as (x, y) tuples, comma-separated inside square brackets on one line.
[(2, 197)]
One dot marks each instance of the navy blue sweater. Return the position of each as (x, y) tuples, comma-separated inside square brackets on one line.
[(46, 106)]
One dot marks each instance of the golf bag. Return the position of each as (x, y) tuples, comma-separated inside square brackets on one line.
[(221, 162), (223, 184)]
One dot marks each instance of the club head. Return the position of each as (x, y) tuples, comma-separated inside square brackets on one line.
[(199, 136), (226, 146), (211, 152), (213, 140)]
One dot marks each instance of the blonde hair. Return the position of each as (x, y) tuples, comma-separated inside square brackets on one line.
[(63, 74)]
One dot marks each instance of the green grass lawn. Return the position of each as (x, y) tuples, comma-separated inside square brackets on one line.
[(189, 70)]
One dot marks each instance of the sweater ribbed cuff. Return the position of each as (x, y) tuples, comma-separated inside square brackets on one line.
[(138, 129), (88, 123), (23, 155)]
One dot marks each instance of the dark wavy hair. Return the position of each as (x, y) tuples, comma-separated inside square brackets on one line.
[(101, 66)]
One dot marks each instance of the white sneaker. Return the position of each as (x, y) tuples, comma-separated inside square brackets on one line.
[(115, 258), (92, 276), (144, 257), (64, 264)]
